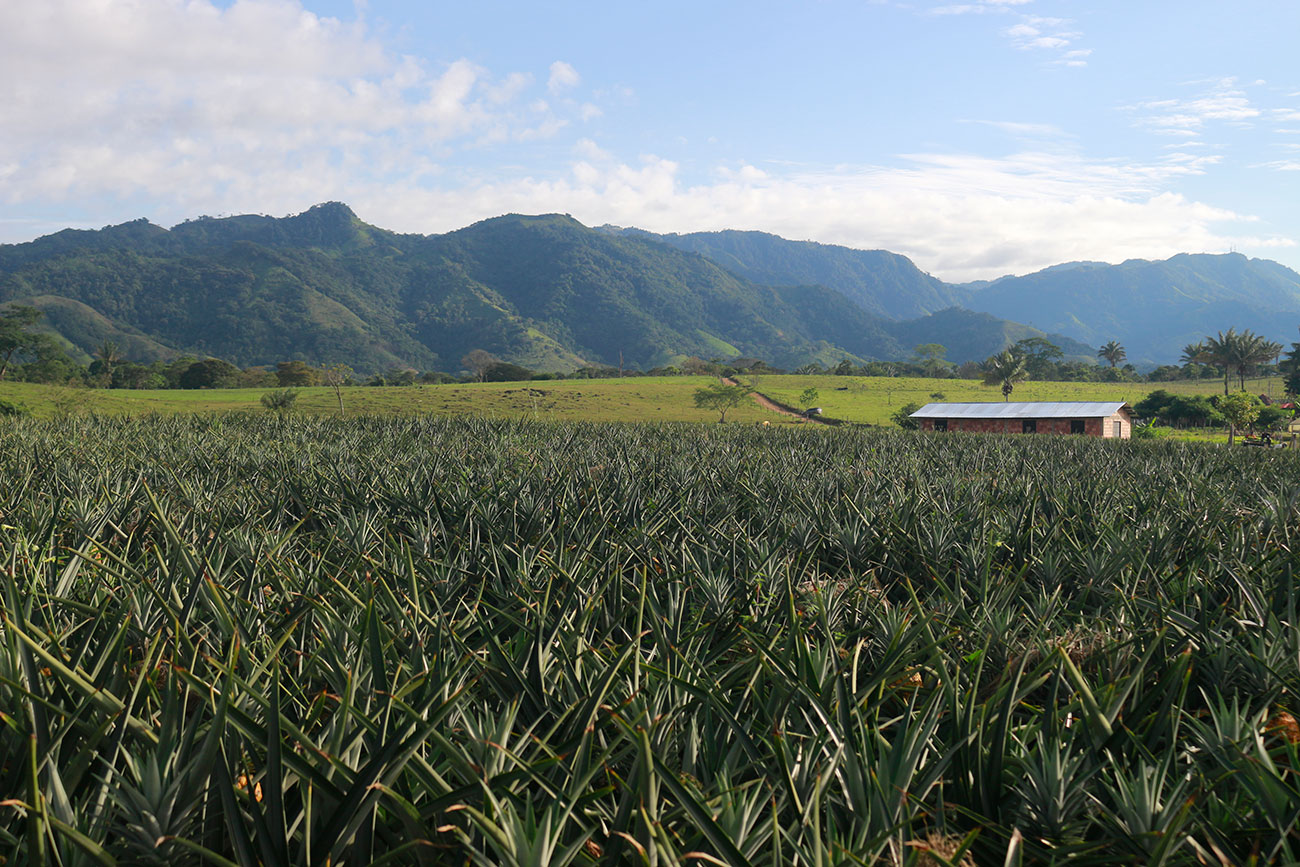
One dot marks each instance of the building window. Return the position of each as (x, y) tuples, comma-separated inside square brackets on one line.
[(1078, 426), (1029, 425), (941, 424), (1119, 429)]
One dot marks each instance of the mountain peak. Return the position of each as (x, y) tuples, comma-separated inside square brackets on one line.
[(329, 224), (330, 210)]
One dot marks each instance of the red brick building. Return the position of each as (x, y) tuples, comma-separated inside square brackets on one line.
[(1110, 419)]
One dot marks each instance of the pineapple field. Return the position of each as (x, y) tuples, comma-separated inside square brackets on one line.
[(255, 639)]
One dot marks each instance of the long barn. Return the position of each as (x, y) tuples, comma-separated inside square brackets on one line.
[(1110, 419)]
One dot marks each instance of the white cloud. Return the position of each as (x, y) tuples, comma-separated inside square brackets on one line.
[(981, 7), (563, 76), (1077, 57), (1222, 101), (1025, 130), (1034, 32), (959, 216), (247, 106), (1030, 32), (961, 9)]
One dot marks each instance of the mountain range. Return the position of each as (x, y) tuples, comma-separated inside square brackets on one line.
[(1154, 308), (549, 293)]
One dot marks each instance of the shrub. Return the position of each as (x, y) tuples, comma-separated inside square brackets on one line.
[(280, 399), (1272, 418), (1149, 430), (903, 418)]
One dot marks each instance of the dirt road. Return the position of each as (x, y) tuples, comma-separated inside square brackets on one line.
[(767, 403)]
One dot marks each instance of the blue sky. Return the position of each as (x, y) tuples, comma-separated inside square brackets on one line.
[(980, 138)]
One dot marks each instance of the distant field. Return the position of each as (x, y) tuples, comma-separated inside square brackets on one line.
[(656, 399), (874, 399)]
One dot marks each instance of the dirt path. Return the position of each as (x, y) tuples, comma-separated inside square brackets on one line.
[(767, 403)]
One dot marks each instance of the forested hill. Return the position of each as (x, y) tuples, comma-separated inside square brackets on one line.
[(545, 292), (878, 281), (1154, 308)]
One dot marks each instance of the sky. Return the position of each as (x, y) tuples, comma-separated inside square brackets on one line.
[(979, 138)]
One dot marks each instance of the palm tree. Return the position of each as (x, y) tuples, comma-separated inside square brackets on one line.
[(1005, 369), (110, 355), (1113, 352), (1219, 351), (1193, 353), (1238, 353), (1251, 351)]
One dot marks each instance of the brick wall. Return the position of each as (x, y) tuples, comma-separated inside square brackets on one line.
[(1095, 427), (1125, 423)]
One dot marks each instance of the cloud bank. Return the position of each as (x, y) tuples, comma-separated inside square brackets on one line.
[(959, 217)]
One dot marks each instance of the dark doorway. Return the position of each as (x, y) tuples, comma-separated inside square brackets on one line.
[(1029, 425), (1078, 426)]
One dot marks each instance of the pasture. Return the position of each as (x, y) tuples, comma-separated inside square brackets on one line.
[(870, 400), (244, 639)]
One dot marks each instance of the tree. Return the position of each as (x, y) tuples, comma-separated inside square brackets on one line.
[(721, 398), (209, 373), (1113, 353), (504, 371), (931, 357), (477, 362), (291, 373), (1005, 369), (1238, 353), (1153, 406), (47, 361), (1040, 355), (336, 376), (695, 366), (903, 417), (1193, 353), (808, 397), (1249, 352), (16, 336), (110, 355), (1240, 409)]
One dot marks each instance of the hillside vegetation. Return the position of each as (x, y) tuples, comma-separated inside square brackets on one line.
[(551, 294), (544, 292), (1153, 307)]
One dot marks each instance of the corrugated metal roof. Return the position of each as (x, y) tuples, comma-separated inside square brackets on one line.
[(1021, 409)]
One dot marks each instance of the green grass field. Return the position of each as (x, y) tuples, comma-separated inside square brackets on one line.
[(870, 400), (653, 399), (874, 399)]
